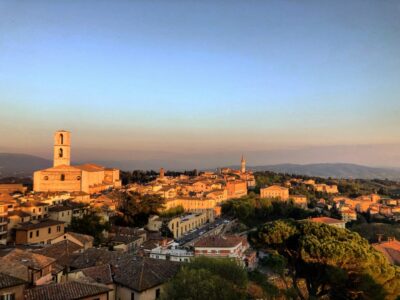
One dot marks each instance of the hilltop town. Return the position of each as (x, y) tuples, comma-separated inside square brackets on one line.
[(84, 233)]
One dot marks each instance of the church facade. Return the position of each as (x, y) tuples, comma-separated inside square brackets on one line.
[(88, 178)]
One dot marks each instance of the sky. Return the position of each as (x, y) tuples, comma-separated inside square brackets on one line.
[(198, 83)]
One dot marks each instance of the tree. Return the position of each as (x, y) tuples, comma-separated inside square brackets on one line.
[(254, 211), (333, 262), (136, 208), (90, 224), (208, 278)]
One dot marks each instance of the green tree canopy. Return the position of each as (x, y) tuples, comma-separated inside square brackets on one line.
[(208, 278), (334, 262), (254, 211), (90, 224), (136, 208)]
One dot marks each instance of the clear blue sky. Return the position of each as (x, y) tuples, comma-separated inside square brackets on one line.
[(200, 76)]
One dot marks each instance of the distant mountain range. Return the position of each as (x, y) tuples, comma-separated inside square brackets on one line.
[(20, 165), (334, 170)]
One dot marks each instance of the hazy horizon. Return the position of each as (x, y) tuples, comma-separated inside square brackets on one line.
[(358, 154), (199, 83)]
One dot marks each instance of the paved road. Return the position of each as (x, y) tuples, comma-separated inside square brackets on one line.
[(217, 227)]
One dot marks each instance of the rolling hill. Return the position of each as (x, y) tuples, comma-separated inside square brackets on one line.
[(335, 170), (19, 165)]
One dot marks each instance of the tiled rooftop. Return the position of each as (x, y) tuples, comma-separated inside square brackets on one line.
[(65, 291), (7, 281)]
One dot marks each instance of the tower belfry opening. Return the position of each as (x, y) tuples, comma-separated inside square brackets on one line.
[(62, 148)]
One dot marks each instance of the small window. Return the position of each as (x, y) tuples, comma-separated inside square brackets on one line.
[(60, 153), (37, 232), (61, 139), (30, 234), (158, 293), (78, 178), (8, 296), (46, 177), (62, 177), (58, 228), (49, 230), (40, 209), (132, 296)]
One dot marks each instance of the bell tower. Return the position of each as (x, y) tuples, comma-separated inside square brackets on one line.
[(62, 148), (243, 165)]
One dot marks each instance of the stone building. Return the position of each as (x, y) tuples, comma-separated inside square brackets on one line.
[(38, 232), (63, 177), (3, 222), (275, 191)]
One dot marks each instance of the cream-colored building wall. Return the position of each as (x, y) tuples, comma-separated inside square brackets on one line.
[(36, 212), (124, 293), (40, 235), (282, 194), (95, 178), (17, 291), (179, 226), (64, 216), (191, 204), (70, 238), (111, 175), (50, 180)]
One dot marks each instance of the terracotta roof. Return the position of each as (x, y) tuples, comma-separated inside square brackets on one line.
[(94, 257), (101, 274), (61, 251), (124, 239), (7, 281), (220, 241), (58, 208), (33, 204), (142, 273), (61, 168), (90, 167), (276, 187), (154, 243), (65, 291), (83, 238), (326, 220), (27, 258), (35, 225), (18, 213), (17, 262)]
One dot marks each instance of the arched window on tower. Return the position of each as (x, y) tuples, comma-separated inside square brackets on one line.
[(62, 178), (60, 153), (61, 139)]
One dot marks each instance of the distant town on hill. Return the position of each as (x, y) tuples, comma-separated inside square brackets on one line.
[(20, 165)]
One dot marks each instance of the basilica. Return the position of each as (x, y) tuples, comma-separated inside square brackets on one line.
[(62, 177)]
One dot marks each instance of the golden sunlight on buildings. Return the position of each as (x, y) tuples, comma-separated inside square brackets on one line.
[(88, 178)]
